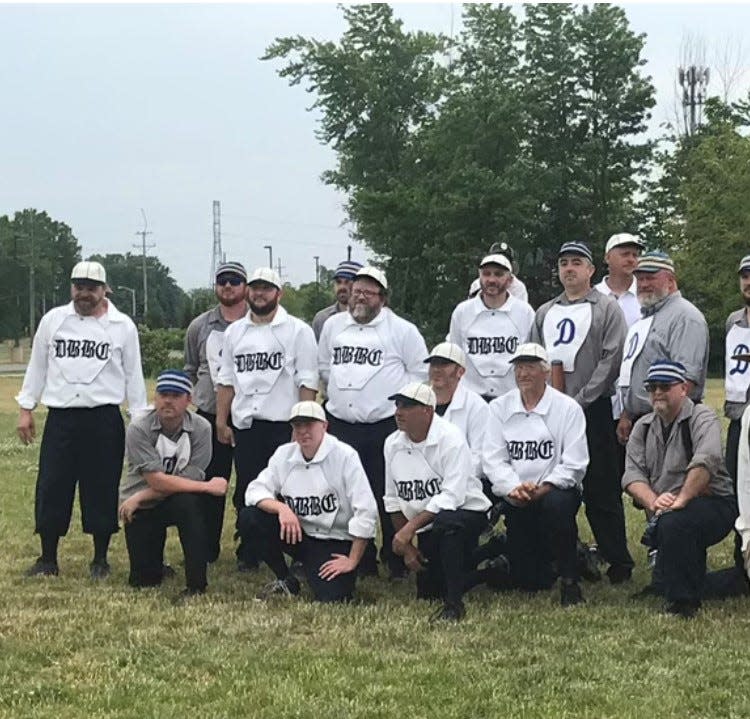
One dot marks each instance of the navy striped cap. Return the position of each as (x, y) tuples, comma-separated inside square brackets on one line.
[(655, 261), (232, 268), (347, 270), (744, 264), (666, 371), (174, 380), (576, 248)]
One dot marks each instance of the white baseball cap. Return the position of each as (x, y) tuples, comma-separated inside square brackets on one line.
[(501, 260), (417, 392), (449, 351), (266, 274), (92, 271), (529, 351), (307, 410), (374, 274), (624, 239)]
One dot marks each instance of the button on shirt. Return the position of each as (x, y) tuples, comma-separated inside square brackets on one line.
[(266, 364), (363, 364), (79, 361), (340, 468), (543, 444)]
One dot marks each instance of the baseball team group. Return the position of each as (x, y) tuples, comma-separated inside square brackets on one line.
[(358, 452)]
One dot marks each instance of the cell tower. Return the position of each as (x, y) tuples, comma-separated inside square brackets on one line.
[(694, 83), (217, 256)]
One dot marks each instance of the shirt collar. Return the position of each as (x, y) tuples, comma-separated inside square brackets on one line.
[(604, 288), (648, 311), (111, 315), (593, 296), (372, 323), (542, 407), (187, 421), (326, 446), (280, 317)]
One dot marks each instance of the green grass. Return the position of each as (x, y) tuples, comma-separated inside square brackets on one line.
[(69, 648)]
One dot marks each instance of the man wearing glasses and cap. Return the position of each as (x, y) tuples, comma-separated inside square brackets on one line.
[(675, 470), (204, 340), (85, 362), (268, 364), (433, 496), (488, 329), (314, 503), (168, 450), (342, 287)]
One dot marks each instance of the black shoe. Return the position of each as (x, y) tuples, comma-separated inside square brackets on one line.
[(99, 569), (495, 573), (167, 571), (619, 573), (186, 595), (588, 562), (449, 612), (570, 594), (244, 567), (683, 608), (42, 568)]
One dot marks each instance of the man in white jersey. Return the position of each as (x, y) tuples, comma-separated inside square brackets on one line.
[(313, 502), (516, 287), (621, 255), (365, 355), (489, 328), (85, 362), (433, 497), (268, 364)]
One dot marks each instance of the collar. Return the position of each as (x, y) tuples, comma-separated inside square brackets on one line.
[(326, 446), (605, 289), (280, 317), (459, 396), (648, 311), (111, 315), (686, 412), (542, 407), (381, 317), (593, 296), (216, 318), (478, 305), (433, 434), (187, 422)]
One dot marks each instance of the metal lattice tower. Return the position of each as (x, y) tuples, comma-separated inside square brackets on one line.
[(694, 83), (217, 256)]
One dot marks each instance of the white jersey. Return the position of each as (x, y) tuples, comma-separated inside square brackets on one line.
[(363, 364), (518, 289), (470, 413), (545, 444), (489, 338), (628, 300), (267, 364), (79, 361), (432, 475), (329, 494)]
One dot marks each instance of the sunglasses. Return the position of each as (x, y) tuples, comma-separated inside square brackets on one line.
[(661, 386), (233, 280)]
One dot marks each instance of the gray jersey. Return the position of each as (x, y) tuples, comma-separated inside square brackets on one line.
[(678, 333), (321, 317), (597, 362)]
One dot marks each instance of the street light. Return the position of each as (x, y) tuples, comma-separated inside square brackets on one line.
[(132, 297), (270, 255)]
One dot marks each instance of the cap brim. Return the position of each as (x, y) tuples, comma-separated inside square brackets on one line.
[(663, 380), (526, 358), (306, 418)]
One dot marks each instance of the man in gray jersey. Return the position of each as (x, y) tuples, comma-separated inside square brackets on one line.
[(203, 343), (342, 287), (585, 330)]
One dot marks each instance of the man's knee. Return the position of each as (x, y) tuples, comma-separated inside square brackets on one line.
[(252, 521)]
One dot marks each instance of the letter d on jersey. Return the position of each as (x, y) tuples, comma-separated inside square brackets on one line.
[(567, 332), (742, 365)]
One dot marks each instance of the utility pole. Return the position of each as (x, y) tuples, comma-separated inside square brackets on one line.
[(32, 308), (270, 255), (694, 83), (348, 253), (279, 270), (317, 273), (217, 256), (144, 247)]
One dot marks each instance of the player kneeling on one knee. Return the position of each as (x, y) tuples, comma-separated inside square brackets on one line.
[(314, 503), (168, 450), (432, 493)]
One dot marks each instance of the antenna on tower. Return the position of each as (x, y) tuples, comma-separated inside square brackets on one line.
[(217, 256)]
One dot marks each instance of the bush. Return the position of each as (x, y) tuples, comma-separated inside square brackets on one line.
[(154, 350)]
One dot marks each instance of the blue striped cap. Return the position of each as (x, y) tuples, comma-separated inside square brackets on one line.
[(655, 261), (232, 268), (576, 248), (174, 380), (347, 270), (666, 371), (744, 264)]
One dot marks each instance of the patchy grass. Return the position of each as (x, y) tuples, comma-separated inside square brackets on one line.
[(69, 648)]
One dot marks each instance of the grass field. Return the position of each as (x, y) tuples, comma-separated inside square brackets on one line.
[(69, 648)]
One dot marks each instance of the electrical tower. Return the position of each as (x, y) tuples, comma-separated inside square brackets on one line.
[(694, 83), (144, 247), (217, 256)]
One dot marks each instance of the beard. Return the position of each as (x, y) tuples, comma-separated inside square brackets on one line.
[(649, 300), (86, 306), (363, 313), (264, 310), (230, 301)]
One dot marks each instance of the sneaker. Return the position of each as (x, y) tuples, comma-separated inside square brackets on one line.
[(570, 594), (99, 569), (619, 573), (449, 612), (683, 608), (288, 587), (186, 595), (42, 568)]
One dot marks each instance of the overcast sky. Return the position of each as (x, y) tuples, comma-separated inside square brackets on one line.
[(110, 109)]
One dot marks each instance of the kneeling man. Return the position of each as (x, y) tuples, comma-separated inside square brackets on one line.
[(313, 502), (168, 450), (535, 456), (674, 469), (432, 493)]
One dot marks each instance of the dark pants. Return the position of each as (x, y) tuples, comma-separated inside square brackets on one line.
[(146, 534), (84, 446), (602, 490), (448, 546), (733, 444), (683, 536), (541, 533), (261, 530), (220, 466), (252, 450), (368, 440)]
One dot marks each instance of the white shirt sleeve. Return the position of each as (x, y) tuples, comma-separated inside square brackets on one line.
[(390, 498), (495, 458), (36, 370), (306, 357), (414, 352), (324, 352), (364, 508), (135, 386), (226, 368), (268, 483), (457, 469), (574, 458)]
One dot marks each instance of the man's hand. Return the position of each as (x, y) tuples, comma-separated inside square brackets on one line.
[(128, 508), (413, 559), (402, 540), (291, 530), (340, 564), (224, 434), (523, 493), (217, 486), (26, 430), (624, 426), (679, 502), (664, 501)]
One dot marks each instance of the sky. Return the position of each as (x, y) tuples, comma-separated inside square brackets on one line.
[(108, 110)]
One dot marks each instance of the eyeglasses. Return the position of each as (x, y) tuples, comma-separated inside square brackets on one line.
[(661, 386), (81, 285), (367, 294), (231, 279)]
